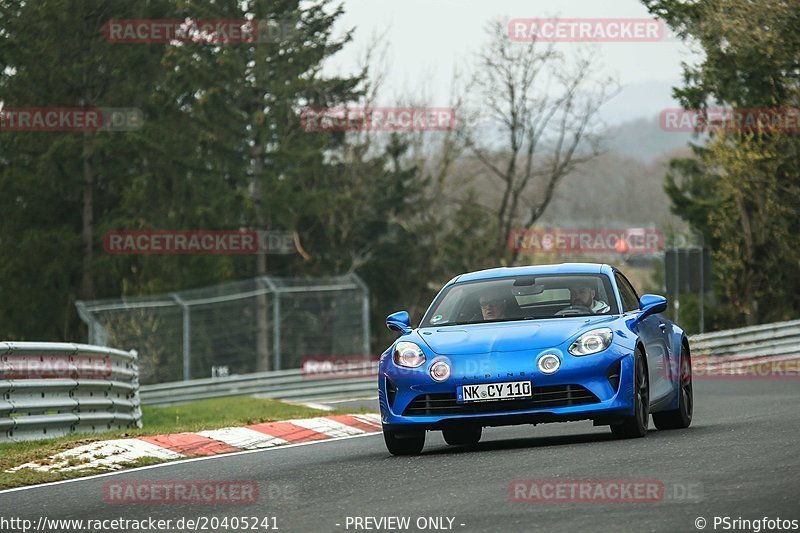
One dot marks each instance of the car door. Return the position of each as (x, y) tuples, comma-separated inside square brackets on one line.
[(652, 331)]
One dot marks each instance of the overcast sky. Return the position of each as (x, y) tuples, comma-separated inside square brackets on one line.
[(430, 38)]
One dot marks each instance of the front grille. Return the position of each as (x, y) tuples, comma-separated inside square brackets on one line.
[(543, 398)]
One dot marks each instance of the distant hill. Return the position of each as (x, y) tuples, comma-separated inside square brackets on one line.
[(614, 191), (635, 100), (632, 119), (644, 139)]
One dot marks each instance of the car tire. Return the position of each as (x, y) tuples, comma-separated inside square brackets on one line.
[(635, 426), (462, 435), (404, 442), (681, 417)]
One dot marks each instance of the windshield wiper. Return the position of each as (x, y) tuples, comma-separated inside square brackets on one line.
[(503, 320), (499, 321)]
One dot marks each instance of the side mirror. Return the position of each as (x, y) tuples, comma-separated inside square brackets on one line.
[(399, 321), (650, 304)]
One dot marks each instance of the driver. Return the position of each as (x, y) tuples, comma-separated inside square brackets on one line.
[(493, 304), (582, 293)]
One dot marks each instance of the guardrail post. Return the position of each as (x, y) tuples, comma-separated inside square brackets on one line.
[(702, 288), (276, 312), (364, 314), (136, 397), (97, 333), (187, 346), (276, 321)]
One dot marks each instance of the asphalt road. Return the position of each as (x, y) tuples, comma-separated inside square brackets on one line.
[(739, 459)]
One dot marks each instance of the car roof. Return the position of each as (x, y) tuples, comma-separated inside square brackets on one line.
[(562, 268)]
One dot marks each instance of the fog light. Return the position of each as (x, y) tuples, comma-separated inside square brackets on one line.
[(549, 363), (440, 371)]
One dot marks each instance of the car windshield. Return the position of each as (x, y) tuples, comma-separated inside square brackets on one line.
[(522, 298)]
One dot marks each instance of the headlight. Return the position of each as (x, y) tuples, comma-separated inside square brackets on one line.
[(408, 354), (549, 363), (440, 371), (591, 342)]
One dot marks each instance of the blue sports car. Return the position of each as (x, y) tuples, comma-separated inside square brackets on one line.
[(527, 345)]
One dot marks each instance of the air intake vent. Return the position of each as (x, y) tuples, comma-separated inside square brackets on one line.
[(613, 375), (543, 398), (391, 392)]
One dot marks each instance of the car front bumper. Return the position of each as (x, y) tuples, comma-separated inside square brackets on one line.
[(581, 389)]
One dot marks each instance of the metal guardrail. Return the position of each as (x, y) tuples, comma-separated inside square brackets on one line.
[(781, 338), (283, 384), (54, 389), (59, 393)]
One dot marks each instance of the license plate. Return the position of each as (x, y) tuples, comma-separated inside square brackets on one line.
[(487, 392)]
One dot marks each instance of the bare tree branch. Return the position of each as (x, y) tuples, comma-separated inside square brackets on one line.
[(543, 108)]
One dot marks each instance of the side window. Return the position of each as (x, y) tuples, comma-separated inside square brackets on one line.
[(630, 302)]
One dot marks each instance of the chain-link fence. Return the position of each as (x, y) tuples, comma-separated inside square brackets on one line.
[(254, 325)]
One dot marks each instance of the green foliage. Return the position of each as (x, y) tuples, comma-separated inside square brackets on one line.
[(54, 55), (221, 147), (741, 189)]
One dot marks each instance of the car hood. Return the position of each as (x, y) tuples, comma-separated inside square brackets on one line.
[(506, 336)]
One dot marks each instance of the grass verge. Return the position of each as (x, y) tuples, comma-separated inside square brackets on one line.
[(190, 417)]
